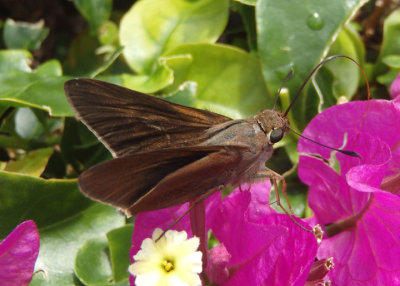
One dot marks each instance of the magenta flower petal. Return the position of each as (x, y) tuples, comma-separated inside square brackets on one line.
[(265, 248), (18, 254), (328, 196), (378, 118), (368, 254), (366, 249), (382, 120)]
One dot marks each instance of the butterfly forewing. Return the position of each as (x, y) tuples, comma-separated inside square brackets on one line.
[(128, 122)]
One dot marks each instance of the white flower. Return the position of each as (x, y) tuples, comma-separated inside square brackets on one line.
[(170, 261)]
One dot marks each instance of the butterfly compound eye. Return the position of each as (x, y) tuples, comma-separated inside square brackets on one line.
[(275, 135)]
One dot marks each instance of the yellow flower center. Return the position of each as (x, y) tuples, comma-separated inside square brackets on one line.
[(167, 265)]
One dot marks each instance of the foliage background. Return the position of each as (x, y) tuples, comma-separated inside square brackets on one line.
[(226, 56)]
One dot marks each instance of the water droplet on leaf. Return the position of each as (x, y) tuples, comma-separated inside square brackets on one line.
[(315, 22)]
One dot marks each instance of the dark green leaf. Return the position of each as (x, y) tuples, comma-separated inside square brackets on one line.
[(60, 242), (47, 202), (297, 35)]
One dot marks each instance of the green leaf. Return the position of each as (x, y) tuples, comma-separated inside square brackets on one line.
[(229, 80), (152, 27), (96, 12), (184, 95), (22, 35), (388, 78), (345, 72), (21, 86), (45, 201), (247, 2), (340, 78), (111, 59), (92, 265), (49, 68), (392, 61), (391, 41), (32, 164), (26, 124), (161, 77), (65, 218), (299, 43), (108, 33), (119, 241), (59, 243), (80, 147), (247, 12)]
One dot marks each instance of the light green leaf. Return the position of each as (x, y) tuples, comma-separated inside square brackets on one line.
[(22, 35), (229, 80), (184, 95), (21, 86), (108, 33), (152, 27), (388, 78), (107, 63), (161, 77), (32, 164), (247, 2), (391, 41), (392, 61), (26, 124), (94, 11), (339, 78)]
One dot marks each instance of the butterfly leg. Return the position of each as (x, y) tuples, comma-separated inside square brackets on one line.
[(275, 178)]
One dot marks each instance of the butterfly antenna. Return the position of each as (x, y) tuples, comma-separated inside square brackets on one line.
[(288, 76), (345, 152), (317, 68)]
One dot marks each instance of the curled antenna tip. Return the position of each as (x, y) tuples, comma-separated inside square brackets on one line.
[(345, 152), (350, 153)]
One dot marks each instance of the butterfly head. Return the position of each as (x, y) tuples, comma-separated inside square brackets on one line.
[(274, 124)]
